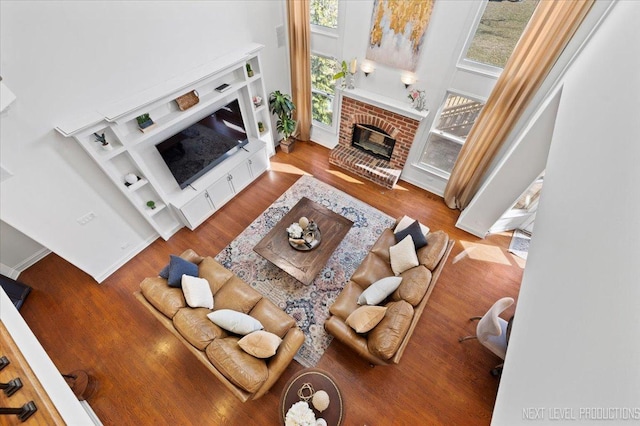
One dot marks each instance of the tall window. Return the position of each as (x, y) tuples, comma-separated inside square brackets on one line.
[(322, 88), (457, 115), (324, 35), (324, 13), (498, 31)]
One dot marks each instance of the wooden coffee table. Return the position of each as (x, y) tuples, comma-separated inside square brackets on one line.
[(304, 265), (319, 380)]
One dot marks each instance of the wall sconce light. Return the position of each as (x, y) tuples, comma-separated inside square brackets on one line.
[(367, 68), (408, 79)]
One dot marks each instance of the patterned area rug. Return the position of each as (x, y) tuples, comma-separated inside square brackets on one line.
[(309, 305)]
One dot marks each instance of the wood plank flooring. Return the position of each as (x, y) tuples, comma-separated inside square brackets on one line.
[(146, 376)]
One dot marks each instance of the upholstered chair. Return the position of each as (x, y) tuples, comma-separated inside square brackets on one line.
[(491, 330)]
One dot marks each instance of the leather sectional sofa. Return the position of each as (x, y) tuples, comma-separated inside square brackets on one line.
[(386, 342), (248, 377)]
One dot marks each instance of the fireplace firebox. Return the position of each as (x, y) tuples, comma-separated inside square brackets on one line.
[(373, 140)]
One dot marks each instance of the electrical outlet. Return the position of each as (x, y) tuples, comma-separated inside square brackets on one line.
[(83, 220)]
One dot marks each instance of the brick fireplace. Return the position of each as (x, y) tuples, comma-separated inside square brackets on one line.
[(398, 121)]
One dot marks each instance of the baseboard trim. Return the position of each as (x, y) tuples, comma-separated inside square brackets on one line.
[(15, 272), (111, 269)]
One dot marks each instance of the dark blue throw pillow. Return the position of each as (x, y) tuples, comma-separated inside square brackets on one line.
[(419, 240), (178, 267), (164, 272)]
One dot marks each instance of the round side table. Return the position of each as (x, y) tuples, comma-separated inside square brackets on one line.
[(320, 380)]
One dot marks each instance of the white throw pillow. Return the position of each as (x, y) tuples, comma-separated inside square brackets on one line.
[(197, 292), (406, 221), (379, 291), (234, 321), (260, 344), (403, 256)]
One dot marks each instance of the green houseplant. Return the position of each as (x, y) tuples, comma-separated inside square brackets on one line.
[(282, 107)]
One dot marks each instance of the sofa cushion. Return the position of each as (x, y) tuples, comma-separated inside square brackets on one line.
[(234, 321), (371, 269), (197, 292), (419, 239), (403, 256), (347, 300), (164, 298), (196, 327), (260, 344), (385, 338), (381, 246), (415, 283), (216, 274), (236, 295), (430, 255), (242, 369), (365, 318), (379, 290), (274, 319)]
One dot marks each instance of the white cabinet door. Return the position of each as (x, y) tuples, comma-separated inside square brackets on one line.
[(258, 163), (197, 210), (221, 191), (241, 176)]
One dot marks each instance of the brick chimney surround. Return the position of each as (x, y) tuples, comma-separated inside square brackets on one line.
[(396, 118)]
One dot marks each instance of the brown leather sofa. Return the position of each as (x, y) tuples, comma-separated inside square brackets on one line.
[(386, 342), (246, 376)]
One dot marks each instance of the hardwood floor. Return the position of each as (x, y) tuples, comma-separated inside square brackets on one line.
[(146, 376)]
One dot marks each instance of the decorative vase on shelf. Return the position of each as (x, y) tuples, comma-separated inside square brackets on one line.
[(130, 179), (418, 99)]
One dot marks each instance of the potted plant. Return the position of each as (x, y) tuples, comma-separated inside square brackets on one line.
[(144, 122), (151, 204), (260, 126), (282, 107), (103, 141)]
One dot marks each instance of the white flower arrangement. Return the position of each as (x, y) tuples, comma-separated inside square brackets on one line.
[(300, 415), (295, 230)]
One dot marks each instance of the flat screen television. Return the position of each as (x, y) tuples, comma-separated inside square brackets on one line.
[(200, 147)]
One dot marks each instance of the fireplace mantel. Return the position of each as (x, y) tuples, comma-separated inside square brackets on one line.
[(399, 107)]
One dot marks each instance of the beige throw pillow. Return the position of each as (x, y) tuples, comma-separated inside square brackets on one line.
[(403, 256), (260, 344), (365, 318), (197, 292)]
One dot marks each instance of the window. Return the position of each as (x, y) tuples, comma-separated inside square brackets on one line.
[(322, 88), (324, 13), (457, 115), (498, 31), (325, 37)]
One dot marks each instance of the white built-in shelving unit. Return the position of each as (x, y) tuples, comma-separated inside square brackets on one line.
[(133, 151)]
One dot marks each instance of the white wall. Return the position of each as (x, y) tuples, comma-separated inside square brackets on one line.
[(17, 251), (62, 59), (445, 34), (575, 339)]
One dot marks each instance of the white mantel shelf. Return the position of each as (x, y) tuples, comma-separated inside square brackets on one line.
[(403, 108)]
